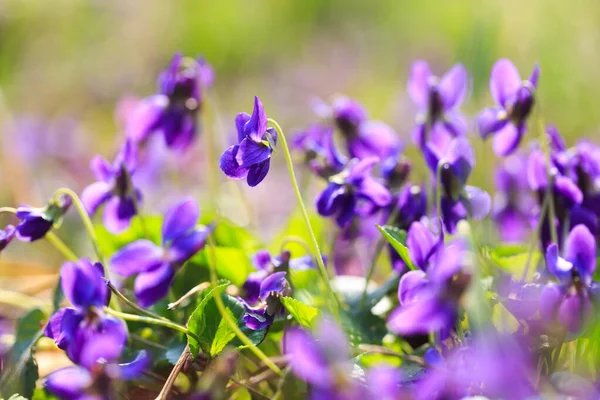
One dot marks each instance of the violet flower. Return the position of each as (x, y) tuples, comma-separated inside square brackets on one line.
[(155, 266), (174, 110), (385, 383), (83, 284), (454, 166), (353, 192), (320, 152), (513, 202), (36, 222), (6, 235), (250, 159), (571, 301), (363, 137), (322, 360), (271, 289), (114, 189), (92, 379), (429, 300), (515, 99), (438, 99)]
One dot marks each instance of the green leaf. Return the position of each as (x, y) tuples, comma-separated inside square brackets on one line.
[(228, 234), (303, 313), (41, 394), (232, 263), (21, 371), (513, 260), (212, 330), (293, 388), (397, 238), (362, 326), (150, 229), (296, 227)]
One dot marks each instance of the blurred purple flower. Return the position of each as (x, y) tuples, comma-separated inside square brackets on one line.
[(320, 152), (114, 189), (571, 301), (251, 157), (352, 192), (174, 110), (154, 265), (92, 379), (513, 201), (36, 222), (514, 99), (72, 329), (6, 235), (384, 383), (322, 360), (438, 100), (454, 166), (429, 300)]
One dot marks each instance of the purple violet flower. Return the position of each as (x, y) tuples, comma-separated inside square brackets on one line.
[(72, 329), (114, 189), (571, 301), (515, 99), (322, 360), (98, 367), (438, 100), (321, 154), (154, 265), (250, 159), (513, 202), (174, 110), (6, 235), (429, 300), (353, 192), (36, 222), (454, 165)]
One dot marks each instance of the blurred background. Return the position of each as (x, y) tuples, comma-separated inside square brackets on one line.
[(65, 65)]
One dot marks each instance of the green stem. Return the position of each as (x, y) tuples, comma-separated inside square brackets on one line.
[(225, 315), (131, 304), (85, 219), (288, 158), (152, 321)]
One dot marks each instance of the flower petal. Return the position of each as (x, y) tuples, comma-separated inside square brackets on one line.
[(455, 123), (453, 86), (549, 301), (60, 326), (251, 153), (258, 172), (151, 286), (419, 241), (117, 214), (505, 81), (257, 125), (94, 195), (491, 120), (135, 367), (328, 201), (240, 121), (83, 285), (535, 76), (332, 340), (479, 202), (537, 176), (421, 317), (105, 347), (580, 249), (139, 256), (275, 282), (418, 84), (507, 139), (146, 117), (180, 218), (410, 285), (184, 247), (68, 383), (230, 166), (573, 312), (101, 168), (306, 358), (374, 191)]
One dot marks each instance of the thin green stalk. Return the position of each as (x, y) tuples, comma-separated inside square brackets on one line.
[(151, 321), (22, 301), (225, 315), (131, 304), (85, 219), (290, 165)]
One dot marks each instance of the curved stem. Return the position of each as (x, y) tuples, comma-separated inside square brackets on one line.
[(198, 288), (225, 315), (288, 158), (151, 321), (131, 304), (296, 240), (185, 355), (85, 219)]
